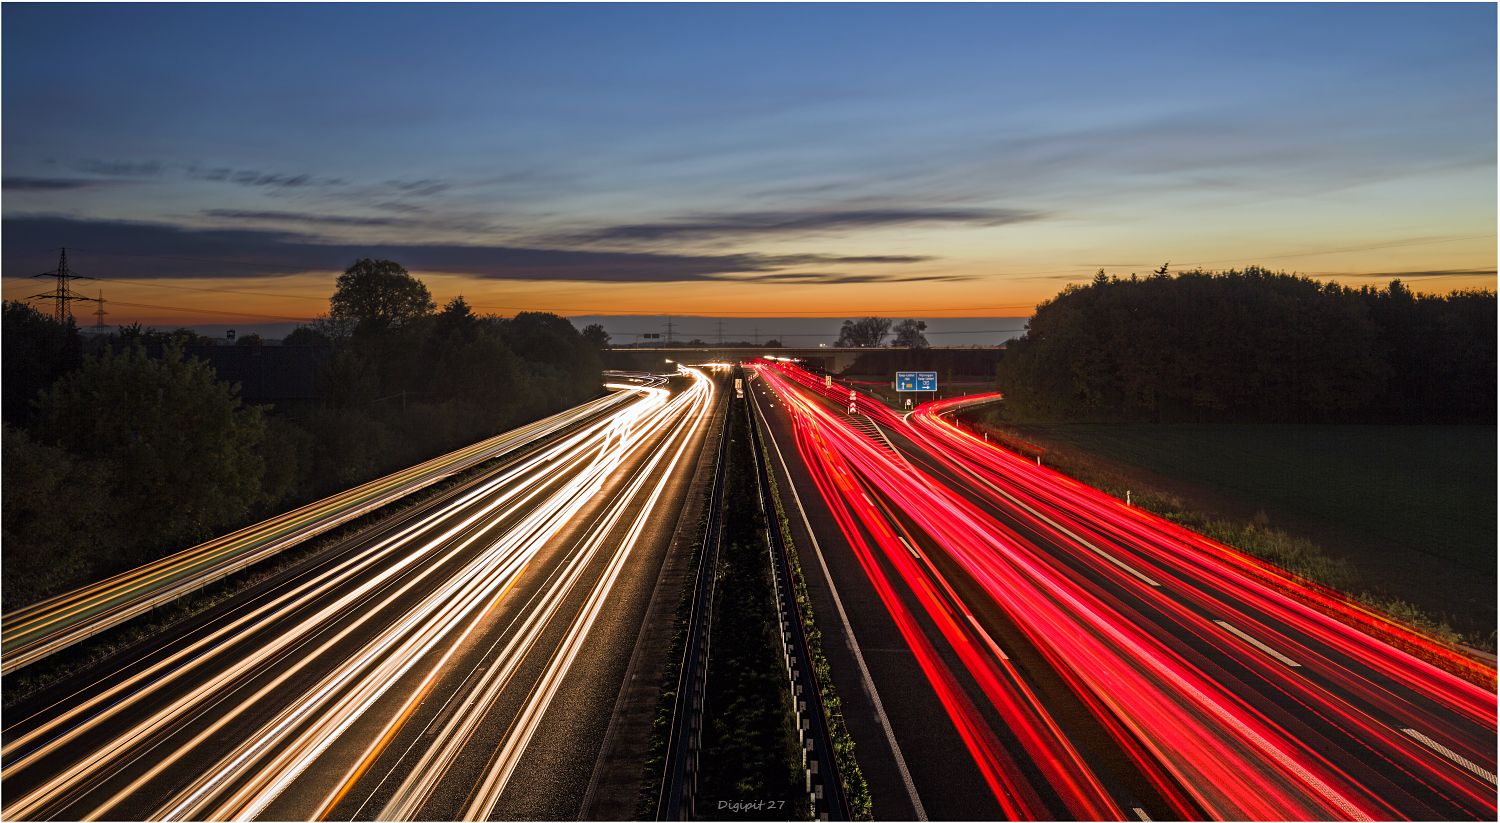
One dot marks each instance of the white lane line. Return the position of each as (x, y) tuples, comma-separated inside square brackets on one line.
[(1448, 753), (1141, 813), (864, 671), (1259, 645), (994, 647)]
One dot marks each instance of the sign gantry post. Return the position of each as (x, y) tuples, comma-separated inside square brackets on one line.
[(916, 381)]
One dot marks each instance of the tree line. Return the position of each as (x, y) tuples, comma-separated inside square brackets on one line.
[(1253, 346), (118, 458)]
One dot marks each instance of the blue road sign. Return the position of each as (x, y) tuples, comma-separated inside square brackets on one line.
[(916, 381)]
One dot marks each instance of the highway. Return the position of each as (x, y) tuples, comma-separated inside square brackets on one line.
[(458, 662), (1073, 657)]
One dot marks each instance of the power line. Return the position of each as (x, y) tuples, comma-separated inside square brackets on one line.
[(211, 311)]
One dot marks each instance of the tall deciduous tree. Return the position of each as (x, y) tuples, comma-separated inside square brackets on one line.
[(381, 295), (595, 334), (864, 332), (909, 334)]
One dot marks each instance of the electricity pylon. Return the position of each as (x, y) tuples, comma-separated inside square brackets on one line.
[(61, 294)]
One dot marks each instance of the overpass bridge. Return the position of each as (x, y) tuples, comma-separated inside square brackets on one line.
[(966, 361)]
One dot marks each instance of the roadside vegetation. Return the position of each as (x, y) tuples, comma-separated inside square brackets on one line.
[(116, 458), (1252, 346)]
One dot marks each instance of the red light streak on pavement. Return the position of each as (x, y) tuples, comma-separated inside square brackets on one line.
[(1165, 549), (1230, 756), (1017, 799)]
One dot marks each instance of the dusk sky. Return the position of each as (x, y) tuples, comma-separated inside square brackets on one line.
[(776, 160)]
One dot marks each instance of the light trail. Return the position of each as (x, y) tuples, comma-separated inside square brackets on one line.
[(388, 617), (34, 631), (1206, 748)]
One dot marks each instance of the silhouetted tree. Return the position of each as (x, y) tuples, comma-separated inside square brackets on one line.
[(595, 334), (306, 336), (864, 332), (346, 380), (909, 334), (381, 295), (58, 519), (1253, 345)]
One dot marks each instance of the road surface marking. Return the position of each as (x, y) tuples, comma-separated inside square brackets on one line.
[(1259, 645), (995, 647), (864, 671), (1141, 813), (1448, 753)]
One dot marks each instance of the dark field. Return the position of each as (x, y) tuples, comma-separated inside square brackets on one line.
[(1412, 507)]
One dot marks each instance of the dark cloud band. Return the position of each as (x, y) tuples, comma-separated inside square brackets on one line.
[(714, 226), (139, 250), (52, 183)]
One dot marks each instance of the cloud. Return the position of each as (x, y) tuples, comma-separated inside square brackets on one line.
[(247, 177), (161, 250), (831, 277), (718, 226), (419, 188), (52, 183), (818, 259), (120, 168), (303, 217)]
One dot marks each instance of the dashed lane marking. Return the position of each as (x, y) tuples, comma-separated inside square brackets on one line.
[(1259, 645), (1448, 753)]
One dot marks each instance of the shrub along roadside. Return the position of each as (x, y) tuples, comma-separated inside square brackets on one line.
[(1297, 555), (856, 790)]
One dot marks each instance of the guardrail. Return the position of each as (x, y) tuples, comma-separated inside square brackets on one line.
[(822, 778), (33, 632), (679, 786)]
